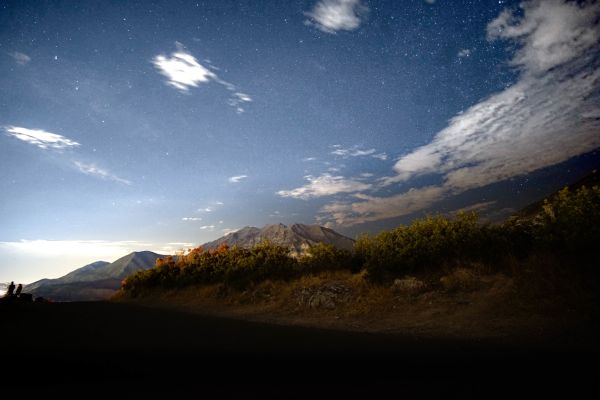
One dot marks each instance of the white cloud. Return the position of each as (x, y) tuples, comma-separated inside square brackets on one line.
[(20, 58), (191, 219), (41, 138), (545, 118), (219, 203), (207, 227), (207, 209), (354, 151), (380, 156), (552, 33), (334, 15), (464, 53), (236, 179), (183, 71), (93, 170), (309, 159), (324, 185), (237, 101), (227, 231)]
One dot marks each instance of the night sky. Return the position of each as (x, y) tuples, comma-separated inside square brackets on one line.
[(162, 125)]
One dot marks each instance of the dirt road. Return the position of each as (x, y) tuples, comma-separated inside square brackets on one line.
[(105, 346)]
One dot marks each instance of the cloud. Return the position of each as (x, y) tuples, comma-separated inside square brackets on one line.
[(546, 117), (236, 179), (227, 231), (354, 151), (552, 32), (207, 227), (324, 185), (309, 159), (207, 209), (20, 58), (464, 53), (372, 208), (380, 156), (333, 15), (191, 219), (484, 205), (41, 138), (93, 170), (183, 71)]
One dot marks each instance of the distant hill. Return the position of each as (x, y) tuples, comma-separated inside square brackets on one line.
[(591, 179), (297, 237), (96, 281)]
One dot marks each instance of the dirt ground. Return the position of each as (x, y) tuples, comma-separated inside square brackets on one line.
[(491, 308)]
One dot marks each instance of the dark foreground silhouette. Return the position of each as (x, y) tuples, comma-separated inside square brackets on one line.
[(55, 346)]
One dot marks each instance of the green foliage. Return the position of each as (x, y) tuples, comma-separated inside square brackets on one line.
[(568, 224), (236, 267), (427, 243), (326, 257), (570, 220)]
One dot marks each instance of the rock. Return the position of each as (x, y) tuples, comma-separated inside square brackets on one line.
[(409, 285), (327, 296)]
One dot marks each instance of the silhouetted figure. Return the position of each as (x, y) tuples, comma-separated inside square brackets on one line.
[(11, 289), (19, 289)]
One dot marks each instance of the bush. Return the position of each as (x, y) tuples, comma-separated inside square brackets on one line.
[(428, 243), (461, 279), (568, 225), (326, 257)]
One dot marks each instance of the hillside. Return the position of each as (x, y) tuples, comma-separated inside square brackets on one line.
[(590, 180), (95, 281), (297, 237)]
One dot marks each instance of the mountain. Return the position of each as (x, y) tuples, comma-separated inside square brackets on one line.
[(589, 180), (297, 237), (95, 281)]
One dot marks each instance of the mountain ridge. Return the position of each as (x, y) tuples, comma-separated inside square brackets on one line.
[(96, 281), (297, 237)]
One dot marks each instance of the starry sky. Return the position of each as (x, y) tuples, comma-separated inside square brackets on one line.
[(161, 125)]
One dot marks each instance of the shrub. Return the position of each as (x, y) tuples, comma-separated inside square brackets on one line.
[(461, 279)]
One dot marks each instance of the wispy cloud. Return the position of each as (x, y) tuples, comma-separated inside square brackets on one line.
[(20, 58), (334, 15), (237, 101), (324, 185), (93, 170), (546, 117), (227, 231), (484, 205), (191, 219), (206, 209), (464, 53), (354, 151), (238, 178), (207, 227), (183, 71), (41, 138)]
